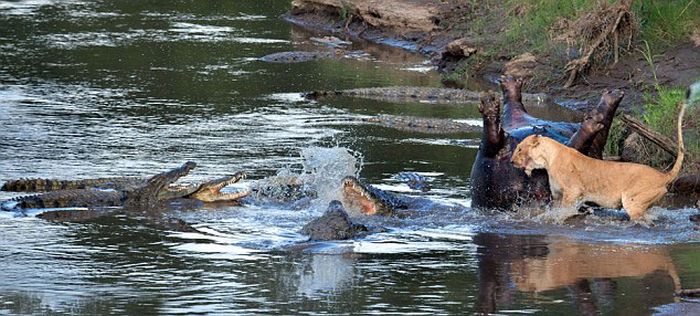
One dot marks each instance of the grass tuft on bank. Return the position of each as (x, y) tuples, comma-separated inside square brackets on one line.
[(512, 27)]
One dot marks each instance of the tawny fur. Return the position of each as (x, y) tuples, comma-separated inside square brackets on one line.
[(575, 178)]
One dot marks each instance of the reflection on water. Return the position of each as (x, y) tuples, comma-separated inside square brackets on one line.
[(595, 276), (109, 88)]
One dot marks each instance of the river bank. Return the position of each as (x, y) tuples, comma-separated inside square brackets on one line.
[(473, 43), (570, 52)]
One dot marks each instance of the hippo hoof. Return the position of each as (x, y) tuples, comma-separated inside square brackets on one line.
[(612, 97), (490, 105), (510, 83), (593, 122)]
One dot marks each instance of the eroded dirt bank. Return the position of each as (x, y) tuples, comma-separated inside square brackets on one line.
[(435, 28)]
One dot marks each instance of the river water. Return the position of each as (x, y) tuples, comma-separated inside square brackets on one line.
[(132, 88)]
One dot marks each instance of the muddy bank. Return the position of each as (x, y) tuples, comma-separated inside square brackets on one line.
[(435, 28), (412, 25)]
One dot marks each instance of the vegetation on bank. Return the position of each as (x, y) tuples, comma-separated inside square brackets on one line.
[(659, 112), (562, 30), (516, 26)]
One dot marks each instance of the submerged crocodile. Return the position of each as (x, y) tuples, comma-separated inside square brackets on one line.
[(128, 192), (417, 94), (422, 124), (300, 56), (334, 224)]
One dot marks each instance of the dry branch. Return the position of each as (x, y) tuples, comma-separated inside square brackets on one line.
[(688, 292), (662, 141)]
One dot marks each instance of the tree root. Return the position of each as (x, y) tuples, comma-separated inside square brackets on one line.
[(610, 35)]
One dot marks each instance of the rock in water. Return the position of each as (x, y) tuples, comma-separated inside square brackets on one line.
[(333, 225)]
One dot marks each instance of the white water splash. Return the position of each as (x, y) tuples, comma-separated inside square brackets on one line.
[(323, 170), (326, 167)]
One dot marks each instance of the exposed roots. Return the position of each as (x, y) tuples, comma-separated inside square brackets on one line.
[(599, 36)]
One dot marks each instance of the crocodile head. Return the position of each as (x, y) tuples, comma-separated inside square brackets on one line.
[(210, 191), (365, 198), (147, 196)]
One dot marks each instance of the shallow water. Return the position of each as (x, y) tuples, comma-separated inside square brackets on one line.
[(94, 89)]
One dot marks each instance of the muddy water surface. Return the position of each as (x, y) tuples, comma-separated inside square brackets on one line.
[(106, 88)]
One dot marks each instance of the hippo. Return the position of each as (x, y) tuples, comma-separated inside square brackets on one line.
[(495, 182)]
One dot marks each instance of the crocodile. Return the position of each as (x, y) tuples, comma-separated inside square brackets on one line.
[(331, 41), (126, 192), (300, 56), (60, 192), (421, 124), (414, 181), (416, 94), (334, 224), (495, 182), (46, 185), (372, 201), (88, 204)]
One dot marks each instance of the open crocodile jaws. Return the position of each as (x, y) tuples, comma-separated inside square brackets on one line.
[(367, 199), (210, 191)]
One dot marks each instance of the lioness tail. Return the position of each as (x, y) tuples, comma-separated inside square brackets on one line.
[(681, 148)]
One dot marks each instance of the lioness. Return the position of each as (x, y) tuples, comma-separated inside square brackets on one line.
[(575, 178)]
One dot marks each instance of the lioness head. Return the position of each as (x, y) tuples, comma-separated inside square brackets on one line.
[(525, 156)]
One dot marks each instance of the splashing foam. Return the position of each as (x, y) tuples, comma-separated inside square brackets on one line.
[(324, 168)]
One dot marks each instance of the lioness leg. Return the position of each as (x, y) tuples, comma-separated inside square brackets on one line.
[(569, 199), (607, 106), (493, 138), (637, 204)]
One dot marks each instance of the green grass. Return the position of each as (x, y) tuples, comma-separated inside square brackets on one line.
[(616, 135), (667, 22), (345, 11), (661, 114), (532, 26), (524, 26), (660, 111)]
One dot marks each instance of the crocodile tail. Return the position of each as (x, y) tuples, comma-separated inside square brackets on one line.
[(37, 185), (681, 149), (48, 185), (70, 198)]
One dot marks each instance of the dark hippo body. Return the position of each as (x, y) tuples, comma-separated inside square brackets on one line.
[(495, 182)]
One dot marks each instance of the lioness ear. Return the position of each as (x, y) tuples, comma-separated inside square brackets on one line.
[(536, 140)]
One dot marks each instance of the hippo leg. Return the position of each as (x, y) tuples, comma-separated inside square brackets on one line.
[(493, 138), (591, 125), (607, 106), (590, 139)]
